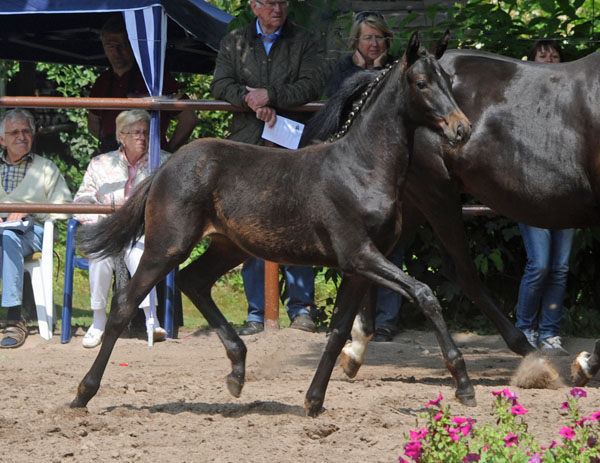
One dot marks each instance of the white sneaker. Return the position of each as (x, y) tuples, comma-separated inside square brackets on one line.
[(553, 346), (92, 338), (159, 334)]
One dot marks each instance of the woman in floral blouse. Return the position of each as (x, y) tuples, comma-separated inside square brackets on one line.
[(109, 179)]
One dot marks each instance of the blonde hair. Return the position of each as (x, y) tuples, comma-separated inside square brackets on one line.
[(127, 118), (372, 19)]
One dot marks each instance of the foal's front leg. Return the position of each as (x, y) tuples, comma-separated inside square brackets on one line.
[(372, 264)]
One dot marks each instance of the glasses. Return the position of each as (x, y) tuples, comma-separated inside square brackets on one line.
[(371, 38), (22, 132), (137, 133), (360, 17), (272, 5)]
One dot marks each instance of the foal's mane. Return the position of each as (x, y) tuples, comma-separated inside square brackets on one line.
[(330, 119)]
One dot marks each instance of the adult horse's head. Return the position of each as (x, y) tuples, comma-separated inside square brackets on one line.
[(430, 100)]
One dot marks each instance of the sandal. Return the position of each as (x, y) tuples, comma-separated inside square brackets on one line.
[(14, 334)]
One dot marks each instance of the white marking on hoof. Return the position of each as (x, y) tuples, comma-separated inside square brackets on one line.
[(583, 361), (356, 349)]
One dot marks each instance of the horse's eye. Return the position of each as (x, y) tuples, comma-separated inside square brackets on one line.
[(421, 84)]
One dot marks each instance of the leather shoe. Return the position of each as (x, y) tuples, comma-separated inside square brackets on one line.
[(15, 334), (383, 335), (159, 334), (251, 328), (304, 322)]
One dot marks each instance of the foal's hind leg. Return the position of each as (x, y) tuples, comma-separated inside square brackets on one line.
[(369, 262), (363, 327), (124, 304), (350, 293), (196, 281)]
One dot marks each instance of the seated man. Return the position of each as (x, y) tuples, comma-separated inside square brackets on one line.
[(124, 79), (109, 179), (26, 178)]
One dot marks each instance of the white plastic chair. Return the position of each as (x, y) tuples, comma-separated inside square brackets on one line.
[(40, 266)]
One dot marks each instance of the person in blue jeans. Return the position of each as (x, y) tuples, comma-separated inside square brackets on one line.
[(543, 286), (301, 295), (387, 309), (25, 177)]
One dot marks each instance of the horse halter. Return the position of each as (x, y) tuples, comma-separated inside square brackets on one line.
[(357, 106)]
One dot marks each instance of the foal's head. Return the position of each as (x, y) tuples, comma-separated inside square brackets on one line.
[(429, 91)]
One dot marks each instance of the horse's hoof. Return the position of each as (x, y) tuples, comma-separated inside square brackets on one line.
[(234, 386), (580, 369), (313, 407), (466, 398), (78, 403), (349, 365)]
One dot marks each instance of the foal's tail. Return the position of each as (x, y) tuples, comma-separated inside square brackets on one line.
[(109, 237)]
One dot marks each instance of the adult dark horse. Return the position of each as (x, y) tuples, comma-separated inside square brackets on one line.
[(534, 156), (334, 205)]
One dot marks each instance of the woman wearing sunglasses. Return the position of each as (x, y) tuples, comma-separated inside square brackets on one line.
[(370, 41)]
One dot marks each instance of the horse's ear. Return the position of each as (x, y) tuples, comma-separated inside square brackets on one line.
[(412, 51), (438, 48)]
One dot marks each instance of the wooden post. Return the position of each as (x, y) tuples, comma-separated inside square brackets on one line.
[(271, 289), (271, 296)]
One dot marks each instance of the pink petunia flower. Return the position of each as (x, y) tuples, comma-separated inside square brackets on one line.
[(518, 410), (567, 432), (418, 435), (467, 427), (511, 439), (508, 394), (595, 416), (577, 392), (565, 405), (413, 450), (438, 417), (402, 460), (435, 402), (453, 433), (536, 458)]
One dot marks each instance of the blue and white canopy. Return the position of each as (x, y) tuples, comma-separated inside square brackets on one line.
[(66, 31)]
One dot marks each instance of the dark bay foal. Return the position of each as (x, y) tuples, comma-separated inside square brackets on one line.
[(335, 205)]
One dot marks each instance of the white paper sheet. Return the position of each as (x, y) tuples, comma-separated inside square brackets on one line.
[(285, 132)]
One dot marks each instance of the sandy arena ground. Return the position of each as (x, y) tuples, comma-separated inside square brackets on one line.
[(170, 403)]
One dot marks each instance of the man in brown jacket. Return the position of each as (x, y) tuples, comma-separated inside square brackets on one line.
[(268, 66)]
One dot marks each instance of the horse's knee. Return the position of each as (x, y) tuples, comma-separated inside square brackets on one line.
[(424, 298)]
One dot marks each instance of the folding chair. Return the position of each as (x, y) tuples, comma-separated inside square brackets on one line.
[(40, 266)]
